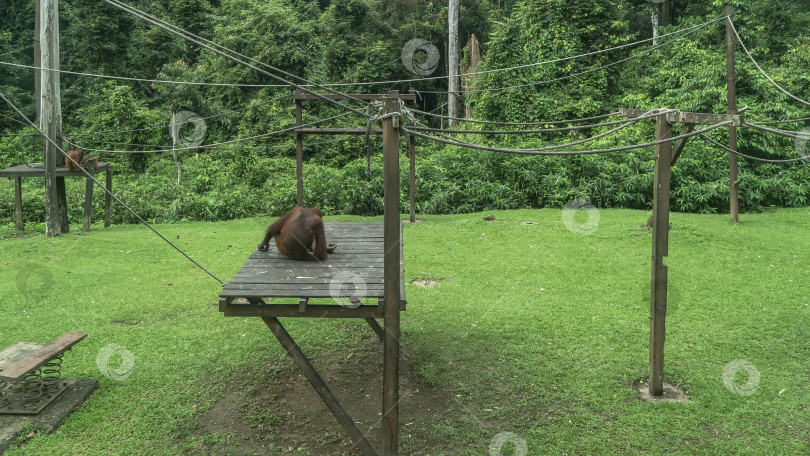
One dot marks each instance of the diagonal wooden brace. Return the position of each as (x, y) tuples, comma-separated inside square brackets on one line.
[(320, 386)]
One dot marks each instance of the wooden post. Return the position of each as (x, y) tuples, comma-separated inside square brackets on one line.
[(412, 157), (108, 198), (391, 242), (51, 109), (660, 243), (61, 195), (299, 153), (320, 386), (37, 63), (18, 217), (88, 203), (731, 78), (452, 61)]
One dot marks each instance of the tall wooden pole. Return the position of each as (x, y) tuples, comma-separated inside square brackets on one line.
[(660, 249), (391, 242), (37, 63), (731, 78), (452, 61), (299, 153), (51, 109), (412, 175)]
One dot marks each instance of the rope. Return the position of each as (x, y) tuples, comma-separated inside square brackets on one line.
[(125, 78), (788, 134), (208, 146), (17, 50), (219, 50), (515, 124), (118, 200), (532, 84), (760, 68), (774, 122), (171, 124), (585, 152), (511, 132), (766, 160)]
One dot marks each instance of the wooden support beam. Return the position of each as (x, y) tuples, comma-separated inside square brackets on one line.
[(88, 205), (302, 304), (51, 109), (320, 386), (360, 96), (688, 117), (391, 245), (299, 152), (412, 175), (336, 131), (108, 198), (376, 327), (731, 89), (18, 217), (294, 310), (676, 153), (660, 249), (61, 196)]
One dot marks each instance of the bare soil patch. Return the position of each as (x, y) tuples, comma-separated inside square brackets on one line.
[(672, 393), (425, 283), (274, 409)]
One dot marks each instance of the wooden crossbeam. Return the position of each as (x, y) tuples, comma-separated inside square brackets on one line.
[(359, 96), (688, 117)]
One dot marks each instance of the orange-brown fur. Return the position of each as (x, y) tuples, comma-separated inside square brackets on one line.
[(299, 235)]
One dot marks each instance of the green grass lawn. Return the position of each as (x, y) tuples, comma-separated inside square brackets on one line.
[(531, 330)]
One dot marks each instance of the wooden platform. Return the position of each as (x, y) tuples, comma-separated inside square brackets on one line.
[(38, 170), (358, 257)]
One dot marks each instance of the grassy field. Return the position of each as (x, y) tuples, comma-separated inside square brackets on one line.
[(532, 335)]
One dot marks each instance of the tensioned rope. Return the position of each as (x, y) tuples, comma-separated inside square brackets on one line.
[(766, 160), (545, 150), (517, 132), (112, 195), (775, 122), (786, 133), (225, 113), (17, 50), (580, 152), (352, 84), (229, 54), (208, 146), (731, 23), (515, 124), (590, 70)]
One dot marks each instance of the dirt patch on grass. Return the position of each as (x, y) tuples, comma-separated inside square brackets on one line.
[(425, 283), (672, 393), (274, 409)]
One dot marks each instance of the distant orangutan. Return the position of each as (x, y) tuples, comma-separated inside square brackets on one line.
[(78, 156), (300, 235)]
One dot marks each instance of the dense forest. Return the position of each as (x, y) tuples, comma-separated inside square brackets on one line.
[(361, 41)]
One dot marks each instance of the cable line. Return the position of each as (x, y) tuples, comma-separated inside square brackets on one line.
[(766, 160), (760, 68), (91, 177), (515, 124)]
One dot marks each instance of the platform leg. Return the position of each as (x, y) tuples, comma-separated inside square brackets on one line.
[(108, 199), (18, 217), (376, 327), (88, 205), (62, 198), (320, 385)]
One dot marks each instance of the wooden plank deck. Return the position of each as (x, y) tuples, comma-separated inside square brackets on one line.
[(359, 254), (22, 358), (38, 170)]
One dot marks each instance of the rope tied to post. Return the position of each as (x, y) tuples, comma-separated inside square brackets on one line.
[(374, 116)]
